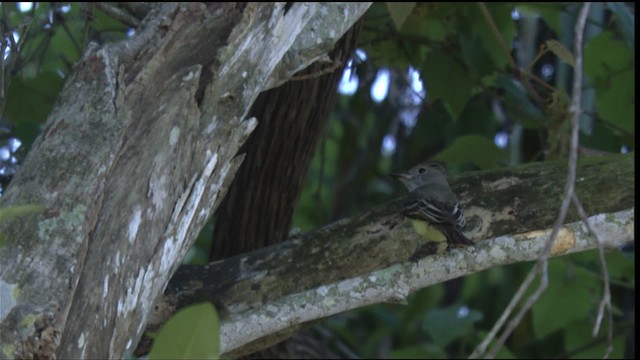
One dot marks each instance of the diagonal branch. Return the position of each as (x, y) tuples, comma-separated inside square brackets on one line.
[(364, 260)]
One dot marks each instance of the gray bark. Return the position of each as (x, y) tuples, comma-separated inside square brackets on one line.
[(268, 294), (138, 151)]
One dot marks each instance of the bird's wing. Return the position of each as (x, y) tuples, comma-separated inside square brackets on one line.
[(434, 211)]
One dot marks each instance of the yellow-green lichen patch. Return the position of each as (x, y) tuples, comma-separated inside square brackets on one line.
[(65, 220)]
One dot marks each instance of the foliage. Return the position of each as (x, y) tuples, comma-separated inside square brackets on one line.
[(13, 212), (55, 36), (192, 333), (486, 76), (473, 96)]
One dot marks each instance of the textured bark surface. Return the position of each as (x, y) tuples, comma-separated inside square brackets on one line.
[(258, 209), (269, 292), (136, 154)]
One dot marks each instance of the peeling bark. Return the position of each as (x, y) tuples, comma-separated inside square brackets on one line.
[(138, 151)]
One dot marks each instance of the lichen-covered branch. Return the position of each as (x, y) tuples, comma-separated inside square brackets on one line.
[(306, 277), (393, 284)]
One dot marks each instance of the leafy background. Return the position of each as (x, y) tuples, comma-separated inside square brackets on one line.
[(475, 85)]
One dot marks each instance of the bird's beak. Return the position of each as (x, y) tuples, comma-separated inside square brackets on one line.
[(400, 176)]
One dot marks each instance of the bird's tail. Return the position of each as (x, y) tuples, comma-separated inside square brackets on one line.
[(455, 237)]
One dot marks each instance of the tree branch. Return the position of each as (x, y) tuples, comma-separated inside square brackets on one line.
[(364, 260), (118, 14), (393, 284)]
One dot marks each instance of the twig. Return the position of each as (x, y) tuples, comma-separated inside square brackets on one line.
[(317, 195), (542, 263), (541, 266), (514, 68), (622, 328), (70, 35), (8, 68), (118, 14), (609, 124), (482, 347), (328, 70), (4, 24), (138, 9), (605, 303), (494, 28)]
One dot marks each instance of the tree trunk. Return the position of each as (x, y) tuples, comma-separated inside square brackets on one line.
[(259, 206), (138, 151)]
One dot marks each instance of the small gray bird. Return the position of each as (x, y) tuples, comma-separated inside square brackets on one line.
[(431, 205)]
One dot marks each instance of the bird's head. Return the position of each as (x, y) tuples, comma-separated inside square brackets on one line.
[(421, 174)]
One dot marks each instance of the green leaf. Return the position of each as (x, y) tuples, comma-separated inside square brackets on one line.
[(475, 55), (433, 128), (562, 52), (549, 12), (192, 333), (503, 353), (106, 23), (399, 11), (13, 212), (605, 55), (519, 105), (418, 25), (422, 300), (433, 22), (31, 100), (472, 148), (568, 298), (388, 53), (422, 351), (626, 19), (446, 325), (29, 103), (501, 17), (64, 48), (620, 268), (578, 335), (446, 78), (602, 137), (609, 64), (616, 103), (478, 118)]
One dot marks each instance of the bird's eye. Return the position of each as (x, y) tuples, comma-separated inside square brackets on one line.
[(422, 170)]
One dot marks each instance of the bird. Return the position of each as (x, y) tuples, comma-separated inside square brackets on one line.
[(432, 206)]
